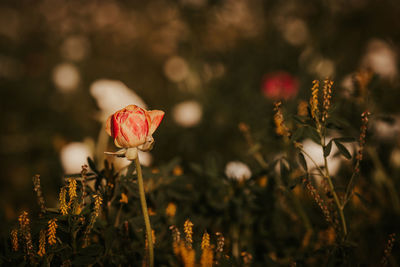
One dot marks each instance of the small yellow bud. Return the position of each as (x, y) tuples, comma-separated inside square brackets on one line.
[(124, 198), (170, 211), (177, 171)]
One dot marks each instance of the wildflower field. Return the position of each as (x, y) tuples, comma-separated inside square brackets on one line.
[(199, 133)]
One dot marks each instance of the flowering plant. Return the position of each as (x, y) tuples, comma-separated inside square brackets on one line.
[(132, 128)]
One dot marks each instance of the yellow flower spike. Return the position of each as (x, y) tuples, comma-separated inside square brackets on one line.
[(281, 128), (220, 242), (42, 243), (14, 239), (302, 108), (170, 211), (205, 242), (98, 200), (124, 198), (220, 247), (188, 229), (63, 203), (314, 100), (38, 189), (188, 255), (207, 256), (71, 189), (51, 231), (190, 258), (176, 236), (23, 219), (183, 251), (327, 95), (25, 228)]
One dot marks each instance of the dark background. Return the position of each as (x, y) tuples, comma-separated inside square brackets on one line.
[(226, 48)]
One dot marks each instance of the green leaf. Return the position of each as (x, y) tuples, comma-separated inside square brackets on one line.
[(302, 162), (284, 169), (343, 150), (327, 149), (92, 165)]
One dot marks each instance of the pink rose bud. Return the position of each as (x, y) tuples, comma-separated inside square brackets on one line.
[(280, 85), (133, 126)]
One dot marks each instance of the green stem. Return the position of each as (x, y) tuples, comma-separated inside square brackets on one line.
[(145, 212), (335, 196), (338, 204)]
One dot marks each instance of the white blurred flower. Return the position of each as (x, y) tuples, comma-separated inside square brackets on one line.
[(73, 156), (294, 31), (348, 85), (322, 67), (145, 158), (187, 113), (381, 58), (213, 71), (315, 152), (112, 95), (66, 77), (386, 129), (75, 48), (120, 162), (316, 63), (237, 170), (176, 69)]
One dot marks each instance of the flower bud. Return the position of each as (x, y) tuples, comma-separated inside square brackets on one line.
[(133, 127)]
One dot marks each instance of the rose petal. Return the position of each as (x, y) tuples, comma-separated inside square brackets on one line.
[(156, 117), (108, 126)]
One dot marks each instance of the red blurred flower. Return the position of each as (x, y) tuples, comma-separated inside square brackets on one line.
[(280, 85)]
